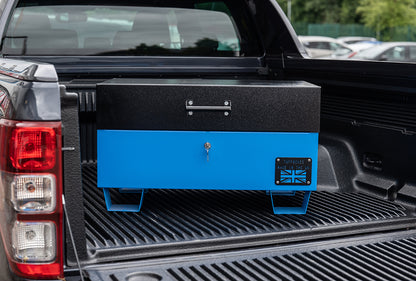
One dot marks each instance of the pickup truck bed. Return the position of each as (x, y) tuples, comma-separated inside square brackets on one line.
[(372, 257), (187, 221), (179, 222)]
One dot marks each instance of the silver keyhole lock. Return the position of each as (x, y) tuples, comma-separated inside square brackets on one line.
[(207, 147)]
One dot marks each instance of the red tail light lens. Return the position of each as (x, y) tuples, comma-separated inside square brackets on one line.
[(31, 197), (40, 271), (33, 148)]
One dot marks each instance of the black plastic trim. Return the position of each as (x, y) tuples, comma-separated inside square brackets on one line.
[(388, 256), (149, 65)]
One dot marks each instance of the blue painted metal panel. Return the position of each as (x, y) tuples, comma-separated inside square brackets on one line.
[(290, 210), (125, 207), (178, 159)]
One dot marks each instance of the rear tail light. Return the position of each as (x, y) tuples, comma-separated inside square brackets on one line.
[(34, 242), (31, 184), (33, 148), (34, 193)]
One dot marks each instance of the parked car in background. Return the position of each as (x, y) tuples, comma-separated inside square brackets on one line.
[(353, 49), (321, 46), (330, 48), (392, 51), (355, 39)]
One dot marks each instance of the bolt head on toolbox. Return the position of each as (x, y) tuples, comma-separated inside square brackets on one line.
[(207, 134)]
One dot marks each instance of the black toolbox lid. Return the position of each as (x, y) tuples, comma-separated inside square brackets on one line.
[(208, 105)]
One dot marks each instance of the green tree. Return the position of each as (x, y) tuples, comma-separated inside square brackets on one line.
[(323, 11), (383, 15), (349, 12), (314, 11)]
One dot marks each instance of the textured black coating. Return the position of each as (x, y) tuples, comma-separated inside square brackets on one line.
[(391, 260), (185, 221), (72, 176), (87, 124), (389, 257), (389, 111), (159, 104)]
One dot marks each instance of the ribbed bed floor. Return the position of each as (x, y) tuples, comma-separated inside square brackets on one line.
[(185, 221), (392, 260)]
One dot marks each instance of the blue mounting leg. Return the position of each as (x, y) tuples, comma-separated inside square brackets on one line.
[(132, 190), (123, 207), (290, 210)]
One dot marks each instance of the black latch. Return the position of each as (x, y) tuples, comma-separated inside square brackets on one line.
[(373, 161)]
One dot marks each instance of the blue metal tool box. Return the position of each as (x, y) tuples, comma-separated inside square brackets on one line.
[(207, 134)]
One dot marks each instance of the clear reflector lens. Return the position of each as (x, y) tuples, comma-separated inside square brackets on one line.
[(34, 193), (34, 242)]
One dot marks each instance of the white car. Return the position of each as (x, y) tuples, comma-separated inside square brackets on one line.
[(353, 49), (355, 39), (323, 47), (392, 51)]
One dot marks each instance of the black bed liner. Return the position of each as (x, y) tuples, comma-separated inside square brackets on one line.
[(368, 257), (176, 222)]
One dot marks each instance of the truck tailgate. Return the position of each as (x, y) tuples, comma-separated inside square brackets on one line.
[(372, 257)]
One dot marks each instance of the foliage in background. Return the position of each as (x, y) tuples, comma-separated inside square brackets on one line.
[(348, 12), (385, 19), (382, 15), (323, 11)]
